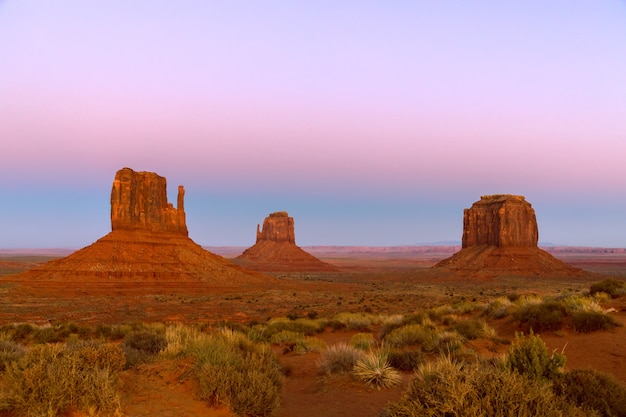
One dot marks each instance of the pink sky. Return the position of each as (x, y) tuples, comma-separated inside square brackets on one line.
[(370, 123)]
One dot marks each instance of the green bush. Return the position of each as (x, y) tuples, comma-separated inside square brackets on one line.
[(50, 379), (548, 315), (338, 358), (591, 321), (374, 369), (593, 390), (445, 388), (611, 286), (529, 356)]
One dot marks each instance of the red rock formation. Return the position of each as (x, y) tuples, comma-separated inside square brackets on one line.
[(148, 241), (276, 250), (277, 227), (501, 220), (500, 237), (139, 202)]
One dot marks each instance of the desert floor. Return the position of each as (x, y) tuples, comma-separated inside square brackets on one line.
[(368, 282)]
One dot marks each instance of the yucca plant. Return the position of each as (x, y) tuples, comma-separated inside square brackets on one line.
[(374, 369)]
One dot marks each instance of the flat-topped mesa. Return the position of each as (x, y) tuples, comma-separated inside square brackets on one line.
[(277, 227), (139, 202), (502, 220)]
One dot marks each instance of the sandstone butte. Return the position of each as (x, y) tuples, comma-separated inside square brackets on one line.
[(500, 237), (148, 242), (275, 249)]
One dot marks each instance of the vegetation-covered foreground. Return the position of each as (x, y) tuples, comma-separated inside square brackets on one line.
[(46, 371)]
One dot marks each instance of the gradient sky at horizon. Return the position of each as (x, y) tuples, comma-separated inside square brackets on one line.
[(370, 122)]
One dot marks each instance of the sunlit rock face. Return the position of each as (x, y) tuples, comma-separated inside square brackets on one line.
[(276, 250), (148, 242), (500, 236), (277, 227), (139, 202), (501, 220)]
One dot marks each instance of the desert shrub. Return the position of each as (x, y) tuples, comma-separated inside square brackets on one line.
[(576, 303), (529, 356), (474, 329), (374, 369), (304, 326), (446, 388), (309, 344), (591, 321), (244, 376), (140, 346), (444, 342), (286, 336), (178, 337), (590, 389), (338, 358), (50, 379), (611, 286), (355, 321), (47, 334), (405, 360), (409, 335), (499, 308), (17, 332), (363, 341), (10, 352), (548, 315)]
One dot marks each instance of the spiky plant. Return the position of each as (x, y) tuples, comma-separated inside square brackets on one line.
[(374, 369)]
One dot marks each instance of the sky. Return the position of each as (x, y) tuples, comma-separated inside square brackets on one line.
[(370, 122)]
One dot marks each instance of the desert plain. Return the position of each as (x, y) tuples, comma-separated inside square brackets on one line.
[(373, 280)]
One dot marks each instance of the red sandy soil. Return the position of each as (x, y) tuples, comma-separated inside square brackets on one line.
[(399, 283)]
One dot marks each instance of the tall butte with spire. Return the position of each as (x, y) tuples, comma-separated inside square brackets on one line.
[(275, 249), (500, 237), (148, 242)]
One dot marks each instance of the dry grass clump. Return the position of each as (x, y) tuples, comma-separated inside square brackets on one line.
[(305, 326), (309, 344), (405, 360), (338, 358), (472, 329), (410, 335), (363, 341), (234, 371), (591, 321), (355, 321), (10, 352), (50, 379), (285, 336), (446, 388), (374, 369)]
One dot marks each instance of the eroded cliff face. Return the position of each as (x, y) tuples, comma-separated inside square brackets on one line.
[(277, 227), (500, 238), (501, 220), (139, 202)]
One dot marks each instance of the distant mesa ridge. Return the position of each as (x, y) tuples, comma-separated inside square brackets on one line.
[(275, 249), (148, 242), (500, 236)]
